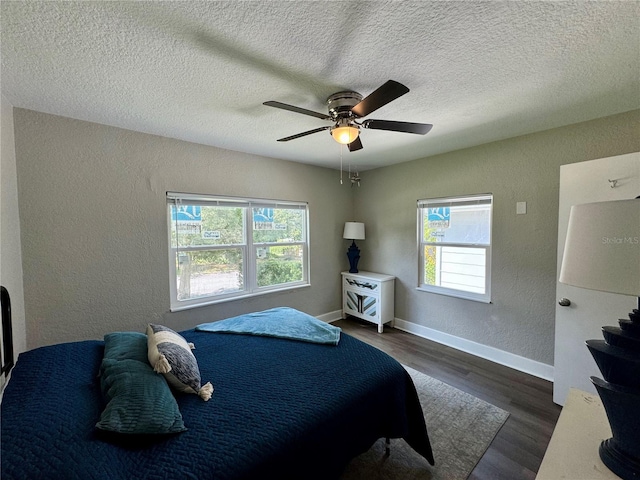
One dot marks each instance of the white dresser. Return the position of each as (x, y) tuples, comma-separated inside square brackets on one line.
[(368, 296)]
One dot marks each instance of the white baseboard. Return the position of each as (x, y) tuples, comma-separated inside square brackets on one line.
[(331, 316), (511, 360), (522, 364)]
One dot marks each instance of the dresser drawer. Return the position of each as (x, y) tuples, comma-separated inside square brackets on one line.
[(361, 284)]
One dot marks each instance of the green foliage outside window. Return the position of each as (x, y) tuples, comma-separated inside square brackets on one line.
[(283, 265), (430, 265), (429, 252), (287, 226), (275, 272), (229, 224)]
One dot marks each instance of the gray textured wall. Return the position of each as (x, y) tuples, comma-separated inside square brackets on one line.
[(94, 234), (521, 317), (11, 258), (94, 245)]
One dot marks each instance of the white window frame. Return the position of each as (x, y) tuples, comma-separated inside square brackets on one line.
[(470, 200), (248, 248)]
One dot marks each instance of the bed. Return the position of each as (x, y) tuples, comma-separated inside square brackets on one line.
[(281, 409)]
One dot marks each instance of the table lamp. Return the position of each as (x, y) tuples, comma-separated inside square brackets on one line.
[(602, 252), (353, 231)]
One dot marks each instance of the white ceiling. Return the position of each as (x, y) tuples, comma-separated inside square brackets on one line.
[(479, 71)]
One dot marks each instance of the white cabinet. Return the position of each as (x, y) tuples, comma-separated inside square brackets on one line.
[(368, 296)]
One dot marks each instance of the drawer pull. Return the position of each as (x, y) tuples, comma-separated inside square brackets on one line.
[(368, 285)]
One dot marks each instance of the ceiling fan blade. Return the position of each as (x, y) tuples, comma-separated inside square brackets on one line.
[(292, 108), (407, 127), (355, 145), (303, 134), (379, 98)]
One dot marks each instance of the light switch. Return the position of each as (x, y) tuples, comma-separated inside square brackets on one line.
[(521, 208)]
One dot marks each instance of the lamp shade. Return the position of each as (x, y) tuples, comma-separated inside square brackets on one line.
[(602, 248), (353, 231)]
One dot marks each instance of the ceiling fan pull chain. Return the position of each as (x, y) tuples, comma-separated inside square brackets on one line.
[(341, 164)]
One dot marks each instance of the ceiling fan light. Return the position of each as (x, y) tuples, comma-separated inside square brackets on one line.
[(344, 134)]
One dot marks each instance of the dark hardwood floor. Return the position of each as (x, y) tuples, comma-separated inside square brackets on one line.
[(517, 450)]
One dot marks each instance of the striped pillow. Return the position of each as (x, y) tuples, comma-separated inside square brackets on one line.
[(170, 354)]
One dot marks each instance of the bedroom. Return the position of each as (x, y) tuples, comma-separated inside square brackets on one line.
[(82, 186)]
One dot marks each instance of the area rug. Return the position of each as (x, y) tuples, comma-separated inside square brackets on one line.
[(461, 427)]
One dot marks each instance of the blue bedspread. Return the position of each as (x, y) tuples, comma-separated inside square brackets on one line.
[(281, 409), (281, 322)]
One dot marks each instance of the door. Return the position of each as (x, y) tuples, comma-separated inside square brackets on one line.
[(613, 178)]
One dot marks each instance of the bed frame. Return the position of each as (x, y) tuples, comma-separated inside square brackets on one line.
[(7, 333)]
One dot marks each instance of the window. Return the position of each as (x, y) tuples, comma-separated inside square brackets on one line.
[(222, 248), (455, 246)]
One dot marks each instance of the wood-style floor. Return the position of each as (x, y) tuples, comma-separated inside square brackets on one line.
[(517, 450)]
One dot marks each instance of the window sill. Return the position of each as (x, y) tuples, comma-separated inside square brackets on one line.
[(212, 301), (456, 294)]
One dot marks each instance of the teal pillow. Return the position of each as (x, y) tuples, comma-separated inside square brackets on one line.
[(139, 400), (126, 346)]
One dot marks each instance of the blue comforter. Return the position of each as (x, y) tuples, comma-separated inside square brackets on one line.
[(281, 409)]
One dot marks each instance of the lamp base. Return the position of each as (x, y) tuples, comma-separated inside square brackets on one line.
[(621, 453), (353, 254), (618, 365), (619, 362), (618, 462)]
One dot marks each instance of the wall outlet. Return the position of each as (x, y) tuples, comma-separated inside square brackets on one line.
[(521, 208)]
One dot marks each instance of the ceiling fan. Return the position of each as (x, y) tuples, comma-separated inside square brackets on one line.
[(347, 108)]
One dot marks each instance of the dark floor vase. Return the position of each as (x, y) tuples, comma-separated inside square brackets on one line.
[(618, 358)]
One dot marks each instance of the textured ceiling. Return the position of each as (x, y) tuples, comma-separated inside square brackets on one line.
[(200, 71)]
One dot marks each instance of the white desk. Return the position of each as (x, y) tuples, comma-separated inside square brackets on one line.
[(572, 453)]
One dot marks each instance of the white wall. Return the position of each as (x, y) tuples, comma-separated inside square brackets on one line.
[(94, 234), (520, 319), (10, 250)]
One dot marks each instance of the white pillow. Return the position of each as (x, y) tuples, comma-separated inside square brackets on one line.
[(170, 354)]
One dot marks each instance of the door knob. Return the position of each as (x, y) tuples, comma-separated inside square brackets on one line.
[(564, 302)]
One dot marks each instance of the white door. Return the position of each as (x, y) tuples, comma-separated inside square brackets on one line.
[(613, 178)]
